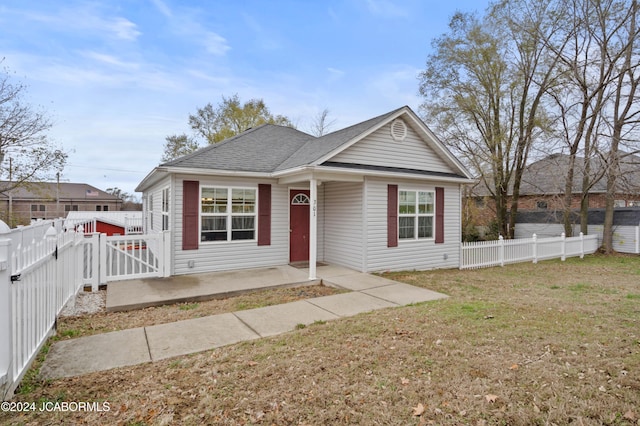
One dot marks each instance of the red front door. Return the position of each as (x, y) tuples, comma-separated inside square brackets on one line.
[(298, 225)]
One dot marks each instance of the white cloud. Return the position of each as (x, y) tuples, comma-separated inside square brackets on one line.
[(215, 43), (110, 60), (122, 28), (398, 85), (386, 8), (162, 7)]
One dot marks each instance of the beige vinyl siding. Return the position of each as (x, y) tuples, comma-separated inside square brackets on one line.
[(379, 149), (228, 255), (410, 254), (343, 224)]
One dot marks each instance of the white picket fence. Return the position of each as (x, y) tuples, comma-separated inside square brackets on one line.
[(484, 254), (43, 266)]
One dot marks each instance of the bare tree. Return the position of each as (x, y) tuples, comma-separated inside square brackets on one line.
[(321, 123), (484, 88), (25, 152), (625, 116)]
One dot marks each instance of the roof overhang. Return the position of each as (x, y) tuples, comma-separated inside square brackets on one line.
[(354, 174), (160, 173)]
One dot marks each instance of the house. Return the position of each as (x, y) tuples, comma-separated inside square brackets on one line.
[(384, 194), (543, 183), (50, 200), (543, 186)]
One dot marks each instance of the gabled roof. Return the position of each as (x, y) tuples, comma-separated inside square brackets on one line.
[(261, 149), (318, 148), (548, 176), (272, 149), (52, 190)]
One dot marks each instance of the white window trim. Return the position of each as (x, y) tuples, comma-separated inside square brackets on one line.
[(229, 214), (164, 208), (416, 215)]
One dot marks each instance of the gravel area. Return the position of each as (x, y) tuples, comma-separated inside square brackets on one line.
[(85, 303)]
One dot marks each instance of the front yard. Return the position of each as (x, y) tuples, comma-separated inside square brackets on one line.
[(552, 343)]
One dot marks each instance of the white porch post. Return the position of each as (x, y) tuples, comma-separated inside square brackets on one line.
[(313, 227)]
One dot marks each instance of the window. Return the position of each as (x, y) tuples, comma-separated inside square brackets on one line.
[(541, 205), (415, 214), (619, 203), (71, 208), (150, 212), (165, 209), (105, 208), (227, 214)]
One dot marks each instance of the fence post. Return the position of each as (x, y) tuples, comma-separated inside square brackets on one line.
[(102, 253), (638, 239), (166, 253), (563, 246), (534, 239), (501, 250), (6, 314), (581, 245)]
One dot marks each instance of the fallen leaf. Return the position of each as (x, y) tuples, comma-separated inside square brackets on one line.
[(418, 410), (514, 367), (630, 415), (404, 381), (491, 398), (252, 363)]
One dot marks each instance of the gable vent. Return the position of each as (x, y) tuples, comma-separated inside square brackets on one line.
[(398, 130)]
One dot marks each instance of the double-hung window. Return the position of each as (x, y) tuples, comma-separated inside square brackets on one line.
[(415, 214), (165, 209), (227, 214)]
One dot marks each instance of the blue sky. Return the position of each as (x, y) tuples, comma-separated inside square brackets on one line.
[(118, 76)]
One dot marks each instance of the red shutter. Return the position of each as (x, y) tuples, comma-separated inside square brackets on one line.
[(190, 212), (264, 214), (392, 216), (439, 215)]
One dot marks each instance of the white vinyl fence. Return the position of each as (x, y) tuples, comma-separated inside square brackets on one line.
[(484, 254), (37, 278), (45, 265)]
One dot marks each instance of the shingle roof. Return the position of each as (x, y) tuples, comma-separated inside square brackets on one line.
[(261, 149), (268, 148), (49, 190), (548, 175)]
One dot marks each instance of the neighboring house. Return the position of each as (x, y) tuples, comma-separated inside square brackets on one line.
[(543, 186), (384, 194), (543, 183), (106, 222), (50, 200)]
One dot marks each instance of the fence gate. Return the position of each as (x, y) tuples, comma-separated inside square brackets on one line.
[(116, 258)]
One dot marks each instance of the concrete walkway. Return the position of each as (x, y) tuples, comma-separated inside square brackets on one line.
[(145, 344)]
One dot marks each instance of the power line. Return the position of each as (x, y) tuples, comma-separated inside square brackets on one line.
[(102, 168)]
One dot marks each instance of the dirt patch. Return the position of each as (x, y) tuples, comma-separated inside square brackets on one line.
[(553, 343)]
